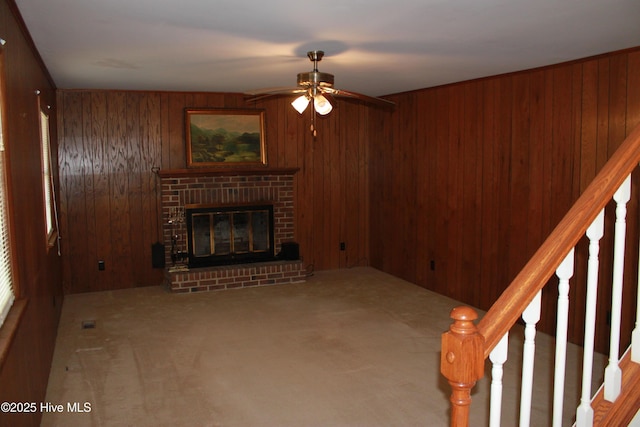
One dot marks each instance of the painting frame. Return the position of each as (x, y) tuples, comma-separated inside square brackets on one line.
[(225, 137)]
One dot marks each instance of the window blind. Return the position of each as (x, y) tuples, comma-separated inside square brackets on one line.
[(6, 280)]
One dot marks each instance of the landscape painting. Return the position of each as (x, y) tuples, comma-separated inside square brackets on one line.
[(225, 137)]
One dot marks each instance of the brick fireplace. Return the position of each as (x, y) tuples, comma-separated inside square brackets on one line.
[(226, 187)]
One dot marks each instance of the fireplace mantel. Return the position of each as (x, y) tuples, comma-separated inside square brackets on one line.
[(225, 171)]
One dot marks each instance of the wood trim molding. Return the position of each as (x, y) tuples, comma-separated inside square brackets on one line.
[(10, 327)]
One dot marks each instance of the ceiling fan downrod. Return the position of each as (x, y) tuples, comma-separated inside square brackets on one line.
[(315, 56)]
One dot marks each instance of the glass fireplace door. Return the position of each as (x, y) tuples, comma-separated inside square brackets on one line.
[(239, 234)]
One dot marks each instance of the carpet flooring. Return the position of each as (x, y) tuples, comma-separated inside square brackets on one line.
[(353, 347)]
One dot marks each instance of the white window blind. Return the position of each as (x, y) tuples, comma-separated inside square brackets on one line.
[(6, 278)]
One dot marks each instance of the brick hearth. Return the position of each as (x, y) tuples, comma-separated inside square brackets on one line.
[(236, 276), (229, 187)]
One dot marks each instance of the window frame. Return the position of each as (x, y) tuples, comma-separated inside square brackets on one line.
[(48, 191)]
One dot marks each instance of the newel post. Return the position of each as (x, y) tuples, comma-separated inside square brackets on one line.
[(462, 362)]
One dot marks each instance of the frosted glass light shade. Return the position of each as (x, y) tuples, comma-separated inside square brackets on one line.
[(300, 103), (322, 105)]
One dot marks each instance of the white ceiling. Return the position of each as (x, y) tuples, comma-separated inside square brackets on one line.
[(375, 47)]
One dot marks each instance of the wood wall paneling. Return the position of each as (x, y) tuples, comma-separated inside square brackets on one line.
[(508, 156), (425, 200), (377, 184), (442, 214), (471, 179)]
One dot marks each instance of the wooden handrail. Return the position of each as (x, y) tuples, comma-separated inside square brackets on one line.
[(504, 313)]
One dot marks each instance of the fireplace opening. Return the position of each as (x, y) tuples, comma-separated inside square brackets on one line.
[(222, 235)]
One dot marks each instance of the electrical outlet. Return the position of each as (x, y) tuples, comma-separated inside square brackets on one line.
[(343, 246), (101, 265)]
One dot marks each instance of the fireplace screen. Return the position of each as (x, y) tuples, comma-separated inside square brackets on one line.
[(227, 235)]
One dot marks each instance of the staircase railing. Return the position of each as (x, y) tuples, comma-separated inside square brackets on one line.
[(466, 346)]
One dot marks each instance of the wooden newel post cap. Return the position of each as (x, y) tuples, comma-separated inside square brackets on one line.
[(462, 358)]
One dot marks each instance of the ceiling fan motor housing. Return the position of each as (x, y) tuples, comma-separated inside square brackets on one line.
[(315, 78)]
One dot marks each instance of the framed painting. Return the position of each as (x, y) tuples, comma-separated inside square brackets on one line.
[(225, 137)]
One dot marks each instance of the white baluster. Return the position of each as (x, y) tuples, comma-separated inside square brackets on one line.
[(584, 413), (635, 335), (498, 356), (613, 374), (531, 316), (564, 273)]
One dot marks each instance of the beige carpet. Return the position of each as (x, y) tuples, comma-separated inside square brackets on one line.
[(350, 347)]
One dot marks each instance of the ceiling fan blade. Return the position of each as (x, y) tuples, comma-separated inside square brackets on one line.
[(273, 90), (366, 98), (258, 94)]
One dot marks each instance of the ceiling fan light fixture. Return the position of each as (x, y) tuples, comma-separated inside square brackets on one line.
[(317, 87), (301, 103), (322, 105)]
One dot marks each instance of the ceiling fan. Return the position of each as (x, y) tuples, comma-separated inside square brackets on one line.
[(316, 88)]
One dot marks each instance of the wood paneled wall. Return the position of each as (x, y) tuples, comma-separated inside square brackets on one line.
[(468, 179), (111, 140), (24, 371)]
